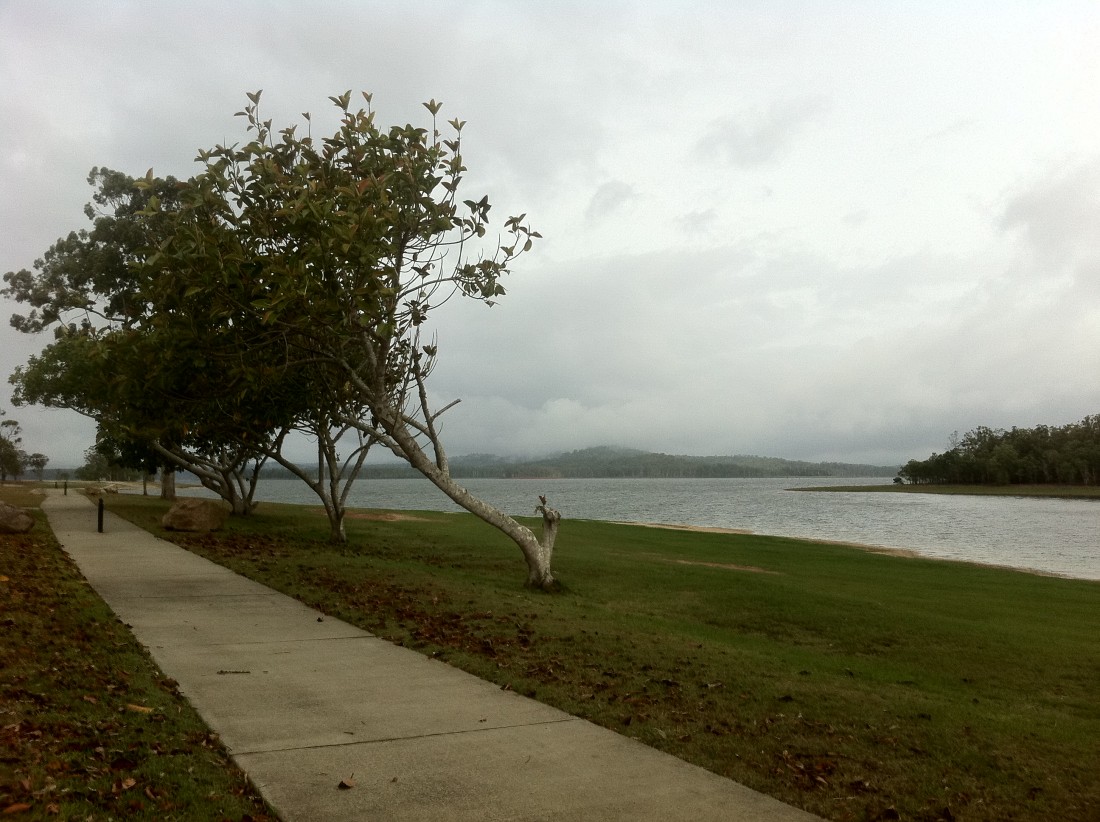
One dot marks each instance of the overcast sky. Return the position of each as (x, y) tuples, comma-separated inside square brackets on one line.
[(824, 231)]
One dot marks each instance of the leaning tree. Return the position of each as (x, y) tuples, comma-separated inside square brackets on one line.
[(332, 253)]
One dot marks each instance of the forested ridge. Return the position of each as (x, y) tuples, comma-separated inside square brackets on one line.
[(610, 462), (1062, 455)]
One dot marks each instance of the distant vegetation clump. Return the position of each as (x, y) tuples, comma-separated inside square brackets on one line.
[(628, 463), (1066, 455)]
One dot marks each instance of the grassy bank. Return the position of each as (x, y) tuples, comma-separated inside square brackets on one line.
[(89, 728), (856, 685), (1059, 491)]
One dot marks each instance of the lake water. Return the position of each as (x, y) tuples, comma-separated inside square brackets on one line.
[(1049, 535)]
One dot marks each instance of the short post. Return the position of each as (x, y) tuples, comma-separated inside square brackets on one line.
[(66, 488), (101, 515)]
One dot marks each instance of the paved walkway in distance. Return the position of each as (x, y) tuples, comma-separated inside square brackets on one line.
[(303, 704)]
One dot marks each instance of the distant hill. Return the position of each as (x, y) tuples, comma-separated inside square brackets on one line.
[(609, 462)]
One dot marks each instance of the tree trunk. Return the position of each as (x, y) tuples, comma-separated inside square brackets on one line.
[(168, 484), (537, 553), (337, 534), (539, 574)]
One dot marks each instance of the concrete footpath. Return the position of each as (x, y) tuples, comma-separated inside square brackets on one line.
[(303, 704)]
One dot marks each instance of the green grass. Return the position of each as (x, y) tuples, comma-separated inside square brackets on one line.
[(89, 727), (853, 684), (1061, 491)]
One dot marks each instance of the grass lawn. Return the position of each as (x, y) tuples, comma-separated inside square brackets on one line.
[(856, 685), (89, 728)]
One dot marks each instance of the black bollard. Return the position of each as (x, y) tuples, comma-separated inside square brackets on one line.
[(101, 515), (66, 488)]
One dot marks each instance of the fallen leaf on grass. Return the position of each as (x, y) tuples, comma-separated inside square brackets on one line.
[(138, 709), (18, 807)]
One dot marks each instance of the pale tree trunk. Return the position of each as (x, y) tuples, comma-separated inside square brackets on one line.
[(337, 534), (328, 464), (397, 430), (333, 478), (539, 574), (168, 484), (538, 553)]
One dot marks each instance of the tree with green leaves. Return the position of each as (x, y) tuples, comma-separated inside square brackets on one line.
[(88, 279), (101, 463), (37, 462), (12, 457), (1066, 455), (148, 398), (331, 255)]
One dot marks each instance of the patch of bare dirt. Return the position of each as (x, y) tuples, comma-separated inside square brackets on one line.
[(726, 565), (383, 516), (697, 528)]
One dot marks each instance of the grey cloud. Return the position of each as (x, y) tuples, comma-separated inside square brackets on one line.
[(608, 198), (826, 321), (754, 139), (695, 223), (1059, 214), (745, 354)]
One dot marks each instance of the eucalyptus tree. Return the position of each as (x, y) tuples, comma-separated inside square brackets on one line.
[(12, 457), (333, 253), (37, 462)]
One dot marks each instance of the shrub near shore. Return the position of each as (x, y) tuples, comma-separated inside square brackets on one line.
[(853, 684)]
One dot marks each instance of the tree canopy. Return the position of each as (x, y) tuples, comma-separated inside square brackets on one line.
[(286, 286), (12, 457), (1064, 455), (331, 255)]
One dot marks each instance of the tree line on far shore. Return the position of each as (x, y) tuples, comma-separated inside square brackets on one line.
[(1043, 455)]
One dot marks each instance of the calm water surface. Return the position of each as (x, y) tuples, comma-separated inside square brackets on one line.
[(1051, 535)]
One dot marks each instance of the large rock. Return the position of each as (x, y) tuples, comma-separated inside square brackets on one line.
[(14, 520), (193, 514)]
